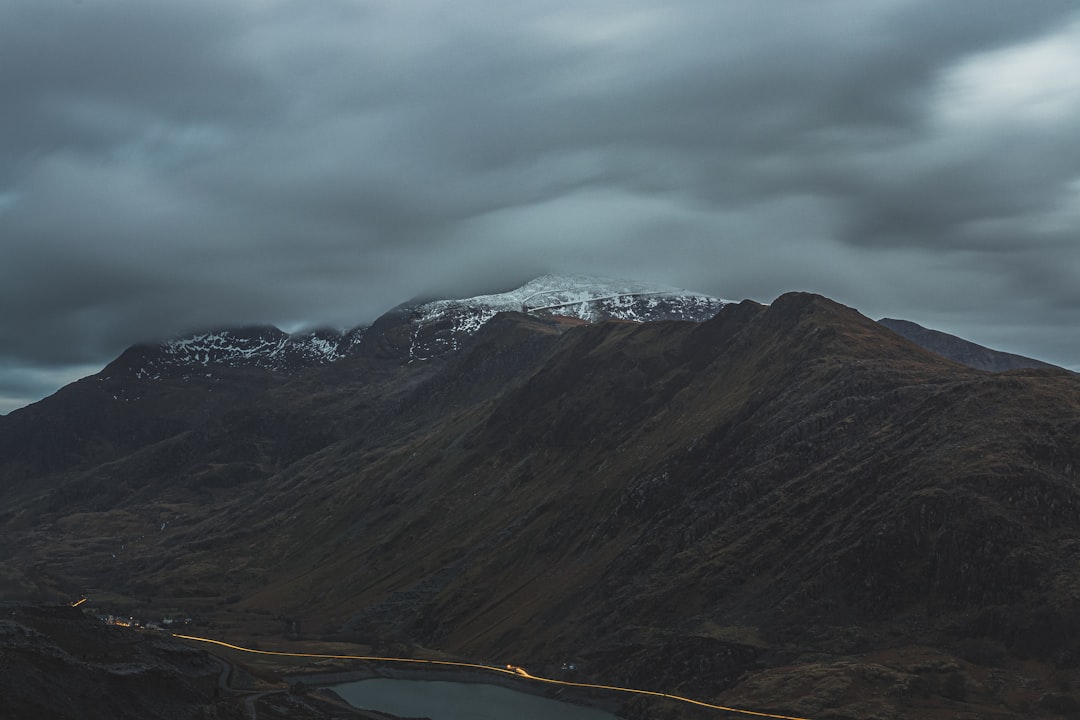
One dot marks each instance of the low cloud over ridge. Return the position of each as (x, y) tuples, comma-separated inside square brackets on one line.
[(173, 165)]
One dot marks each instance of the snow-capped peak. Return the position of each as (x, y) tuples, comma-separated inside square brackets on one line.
[(585, 297), (554, 292), (422, 331)]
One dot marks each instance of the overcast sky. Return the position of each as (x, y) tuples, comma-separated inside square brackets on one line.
[(166, 165)]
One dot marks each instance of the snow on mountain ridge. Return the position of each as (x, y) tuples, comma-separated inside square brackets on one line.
[(265, 347), (548, 291), (570, 295), (425, 330), (224, 345), (440, 325)]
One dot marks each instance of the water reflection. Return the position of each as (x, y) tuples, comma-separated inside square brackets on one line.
[(440, 700)]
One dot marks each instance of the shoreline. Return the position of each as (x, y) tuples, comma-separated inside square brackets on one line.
[(598, 699)]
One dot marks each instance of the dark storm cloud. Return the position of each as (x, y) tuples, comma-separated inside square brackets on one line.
[(171, 165)]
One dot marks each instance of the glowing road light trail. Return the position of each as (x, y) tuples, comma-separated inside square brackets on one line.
[(77, 603), (513, 670)]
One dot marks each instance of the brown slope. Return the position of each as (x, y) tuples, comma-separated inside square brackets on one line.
[(88, 506), (790, 469)]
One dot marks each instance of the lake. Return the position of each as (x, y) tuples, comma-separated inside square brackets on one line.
[(440, 700)]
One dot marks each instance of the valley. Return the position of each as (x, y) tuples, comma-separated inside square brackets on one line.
[(787, 507)]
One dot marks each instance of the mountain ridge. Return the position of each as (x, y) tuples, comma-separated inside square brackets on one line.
[(961, 350), (417, 330), (421, 330), (681, 506)]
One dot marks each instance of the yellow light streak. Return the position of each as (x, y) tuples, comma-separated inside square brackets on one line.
[(513, 670), (77, 603)]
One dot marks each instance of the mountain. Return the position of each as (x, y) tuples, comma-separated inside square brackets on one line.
[(427, 329), (423, 330), (787, 507), (960, 350), (440, 326), (418, 330), (264, 347)]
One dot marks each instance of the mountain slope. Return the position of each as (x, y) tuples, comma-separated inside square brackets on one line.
[(671, 505), (781, 423), (169, 387), (57, 663), (960, 350)]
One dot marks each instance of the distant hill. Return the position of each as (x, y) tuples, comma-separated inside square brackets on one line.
[(960, 350)]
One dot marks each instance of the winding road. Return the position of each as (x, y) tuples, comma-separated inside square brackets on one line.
[(513, 670)]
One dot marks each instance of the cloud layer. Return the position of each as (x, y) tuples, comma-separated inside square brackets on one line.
[(170, 165)]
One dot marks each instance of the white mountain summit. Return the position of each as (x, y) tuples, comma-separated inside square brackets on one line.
[(422, 330), (584, 297)]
